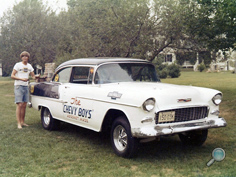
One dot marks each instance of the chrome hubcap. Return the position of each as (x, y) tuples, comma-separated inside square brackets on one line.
[(120, 138), (46, 117)]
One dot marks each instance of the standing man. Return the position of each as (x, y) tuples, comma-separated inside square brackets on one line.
[(20, 74)]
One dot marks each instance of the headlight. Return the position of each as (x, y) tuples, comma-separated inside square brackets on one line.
[(217, 99), (149, 104)]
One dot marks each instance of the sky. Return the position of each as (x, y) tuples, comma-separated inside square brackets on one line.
[(54, 4)]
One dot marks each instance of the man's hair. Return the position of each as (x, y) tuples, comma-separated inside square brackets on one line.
[(24, 53)]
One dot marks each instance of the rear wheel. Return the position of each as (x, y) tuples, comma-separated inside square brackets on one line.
[(48, 122), (122, 141), (196, 138)]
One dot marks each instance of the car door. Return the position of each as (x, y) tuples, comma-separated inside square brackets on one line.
[(60, 79), (78, 97)]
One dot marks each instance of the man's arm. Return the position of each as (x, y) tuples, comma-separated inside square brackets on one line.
[(13, 76), (34, 76)]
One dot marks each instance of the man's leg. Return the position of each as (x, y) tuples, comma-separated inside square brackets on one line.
[(18, 114), (23, 110), (21, 98)]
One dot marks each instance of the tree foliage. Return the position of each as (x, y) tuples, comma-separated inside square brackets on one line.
[(28, 26), (109, 28), (212, 23), (134, 28), (115, 28)]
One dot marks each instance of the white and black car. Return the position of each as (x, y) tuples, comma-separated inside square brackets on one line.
[(125, 97)]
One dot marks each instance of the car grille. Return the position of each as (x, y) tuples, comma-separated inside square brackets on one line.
[(186, 114)]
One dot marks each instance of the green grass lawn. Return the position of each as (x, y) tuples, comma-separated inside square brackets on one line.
[(73, 151)]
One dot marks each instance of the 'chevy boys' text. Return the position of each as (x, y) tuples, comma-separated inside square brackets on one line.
[(86, 113)]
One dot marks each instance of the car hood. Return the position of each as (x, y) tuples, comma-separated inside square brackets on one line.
[(167, 96)]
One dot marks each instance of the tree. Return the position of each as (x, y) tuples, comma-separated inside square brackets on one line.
[(134, 28), (29, 26), (109, 28), (168, 27), (212, 23), (115, 28)]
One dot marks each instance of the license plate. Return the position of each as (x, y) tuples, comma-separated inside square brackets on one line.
[(166, 116)]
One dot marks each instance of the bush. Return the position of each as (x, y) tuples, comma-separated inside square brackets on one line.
[(163, 70), (201, 67), (173, 70), (163, 73)]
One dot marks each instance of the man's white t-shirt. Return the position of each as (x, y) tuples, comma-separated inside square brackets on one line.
[(23, 71)]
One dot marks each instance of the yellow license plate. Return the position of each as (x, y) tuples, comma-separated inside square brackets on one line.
[(166, 116)]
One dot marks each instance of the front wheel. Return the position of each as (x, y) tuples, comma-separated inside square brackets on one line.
[(122, 141), (48, 122), (196, 138)]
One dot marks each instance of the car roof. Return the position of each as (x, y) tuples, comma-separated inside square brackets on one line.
[(98, 61)]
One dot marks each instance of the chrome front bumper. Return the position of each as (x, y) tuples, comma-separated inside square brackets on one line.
[(174, 128)]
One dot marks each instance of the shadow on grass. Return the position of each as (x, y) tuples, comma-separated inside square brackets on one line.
[(167, 148)]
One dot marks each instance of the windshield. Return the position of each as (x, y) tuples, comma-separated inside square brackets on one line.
[(126, 72)]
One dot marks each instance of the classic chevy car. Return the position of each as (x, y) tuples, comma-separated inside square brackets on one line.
[(125, 96)]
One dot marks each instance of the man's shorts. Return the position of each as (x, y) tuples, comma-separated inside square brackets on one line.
[(21, 93)]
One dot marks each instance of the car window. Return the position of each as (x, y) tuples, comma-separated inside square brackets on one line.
[(82, 75), (62, 76), (126, 72)]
